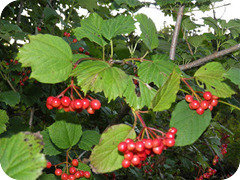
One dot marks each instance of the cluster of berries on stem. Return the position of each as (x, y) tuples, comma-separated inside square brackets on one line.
[(206, 175), (71, 103)]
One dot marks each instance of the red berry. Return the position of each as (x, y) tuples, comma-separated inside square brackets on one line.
[(170, 135), (135, 160), (72, 170), (128, 156), (128, 140), (126, 163), (90, 110), (58, 172), (122, 147), (56, 102), (148, 151), (78, 103), (214, 102), (49, 106), (139, 146), (204, 104), (29, 71), (194, 104), (81, 173), (207, 95), (200, 110), (216, 157), (210, 107), (72, 107), (188, 98), (65, 101), (74, 40), (78, 175), (95, 104), (64, 176), (16, 62), (71, 177), (87, 174), (66, 109), (75, 162), (87, 53), (7, 64), (49, 165), (68, 34), (215, 97), (23, 74), (65, 33), (39, 29), (158, 150), (11, 60), (149, 144), (156, 142), (131, 146), (85, 103), (214, 171), (169, 142), (81, 49)]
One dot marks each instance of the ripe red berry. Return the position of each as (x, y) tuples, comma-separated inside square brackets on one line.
[(68, 34), (65, 101), (85, 103), (207, 95), (139, 146), (122, 146), (7, 64), (214, 102), (65, 33), (71, 177), (204, 104), (49, 106), (74, 40), (131, 146), (49, 165), (128, 156), (95, 104), (90, 110), (87, 174), (77, 103), (11, 60), (169, 135), (169, 142), (39, 29), (16, 62), (78, 175), (200, 110), (75, 162), (58, 172), (156, 142), (135, 160), (172, 130), (23, 74), (149, 144), (87, 53), (81, 49), (56, 102), (214, 171), (188, 98), (64, 176), (158, 150), (72, 170), (194, 104), (215, 97), (210, 107), (128, 140), (126, 163)]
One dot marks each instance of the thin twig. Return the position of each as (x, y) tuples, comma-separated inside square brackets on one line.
[(31, 117), (20, 13)]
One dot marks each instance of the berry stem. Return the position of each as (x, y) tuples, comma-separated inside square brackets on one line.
[(88, 58), (136, 59), (229, 104), (153, 129), (74, 87), (195, 94), (62, 93)]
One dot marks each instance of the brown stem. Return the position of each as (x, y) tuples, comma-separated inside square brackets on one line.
[(10, 84), (88, 58), (189, 47), (209, 58), (195, 94), (31, 117), (136, 59), (176, 33), (19, 13)]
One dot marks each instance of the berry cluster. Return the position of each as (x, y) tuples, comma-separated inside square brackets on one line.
[(210, 172), (137, 152), (201, 105), (39, 29), (73, 105), (73, 174)]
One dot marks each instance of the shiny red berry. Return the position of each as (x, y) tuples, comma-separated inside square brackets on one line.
[(128, 156), (90, 110), (214, 102), (77, 103), (156, 142), (194, 104), (75, 162), (207, 95), (95, 104), (126, 163), (158, 150), (81, 49), (85, 103), (74, 40), (173, 130), (87, 174), (71, 177), (49, 165), (139, 146), (169, 135), (135, 160), (56, 102), (122, 146), (169, 142), (64, 176), (72, 170), (204, 104), (50, 99), (78, 175), (210, 107), (58, 172), (128, 140), (200, 110), (131, 146), (188, 98), (65, 101), (149, 144)]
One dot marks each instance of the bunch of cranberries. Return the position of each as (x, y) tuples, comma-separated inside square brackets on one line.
[(208, 103), (74, 172), (207, 174), (73, 105), (137, 152)]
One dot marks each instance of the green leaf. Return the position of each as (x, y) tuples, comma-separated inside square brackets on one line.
[(156, 71), (49, 148), (49, 57), (10, 97), (130, 3), (47, 177), (167, 94), (84, 167), (196, 41), (99, 76), (65, 134), (212, 75), (149, 31), (117, 26), (76, 57), (189, 124), (89, 4), (105, 156), (20, 157), (140, 98), (188, 24), (212, 23), (234, 75), (89, 139), (91, 28), (3, 120)]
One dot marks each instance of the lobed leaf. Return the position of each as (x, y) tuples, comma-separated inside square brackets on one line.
[(89, 138), (3, 121), (234, 75), (11, 98)]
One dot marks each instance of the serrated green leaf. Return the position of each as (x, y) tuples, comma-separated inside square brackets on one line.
[(84, 167), (167, 94), (65, 134), (49, 148), (99, 76), (117, 26), (91, 28), (234, 75), (196, 41), (20, 157), (89, 139), (105, 156), (89, 4), (188, 24), (212, 75), (10, 97), (3, 120), (149, 31), (189, 124), (49, 57), (212, 23), (142, 97), (156, 71), (130, 3)]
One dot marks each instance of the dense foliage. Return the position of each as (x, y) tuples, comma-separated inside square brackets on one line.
[(86, 96)]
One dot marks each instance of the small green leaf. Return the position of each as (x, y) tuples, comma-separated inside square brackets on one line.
[(130, 3), (189, 124), (65, 134), (89, 139), (20, 157), (105, 156), (196, 41), (212, 23), (49, 57), (10, 97), (117, 26), (212, 75), (91, 28), (149, 31), (49, 148), (234, 75), (167, 94), (3, 120), (89, 4)]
